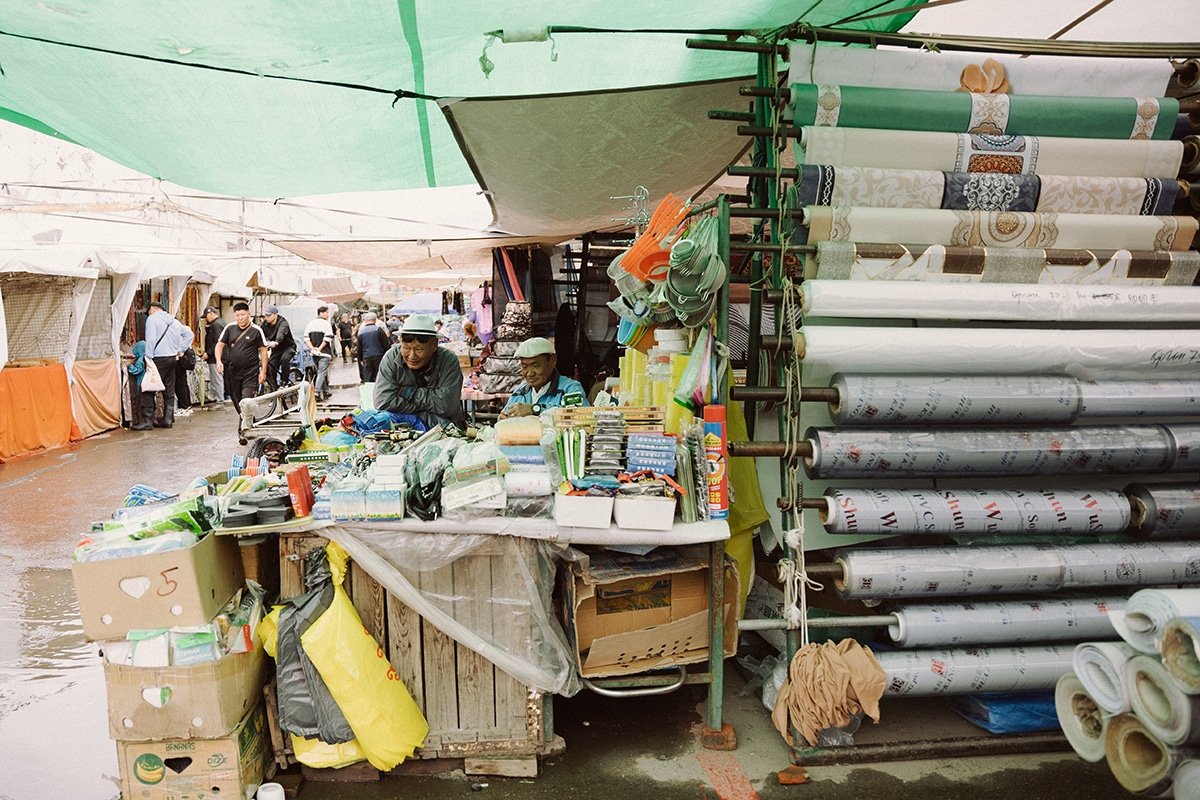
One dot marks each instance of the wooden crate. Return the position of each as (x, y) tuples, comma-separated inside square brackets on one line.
[(476, 711)]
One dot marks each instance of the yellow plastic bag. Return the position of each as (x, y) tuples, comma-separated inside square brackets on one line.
[(385, 719), (268, 632), (315, 753)]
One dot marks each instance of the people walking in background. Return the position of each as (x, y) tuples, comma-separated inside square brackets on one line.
[(213, 326), (345, 332), (166, 339), (141, 405), (373, 342), (183, 389), (242, 358), (281, 344), (318, 338)]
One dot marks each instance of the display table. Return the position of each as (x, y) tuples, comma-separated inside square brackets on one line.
[(464, 611)]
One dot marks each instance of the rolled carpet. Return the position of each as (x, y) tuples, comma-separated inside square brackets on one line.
[(1100, 667), (1081, 719), (1138, 759), (1180, 643), (1148, 611), (1162, 706)]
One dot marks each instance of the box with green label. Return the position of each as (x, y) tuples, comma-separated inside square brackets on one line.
[(229, 767)]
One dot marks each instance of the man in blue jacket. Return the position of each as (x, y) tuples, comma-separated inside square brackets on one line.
[(166, 339), (543, 387)]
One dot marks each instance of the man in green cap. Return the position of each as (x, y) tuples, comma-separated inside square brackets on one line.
[(420, 378), (543, 388)]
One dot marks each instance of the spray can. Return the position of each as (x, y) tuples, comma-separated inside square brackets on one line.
[(716, 456)]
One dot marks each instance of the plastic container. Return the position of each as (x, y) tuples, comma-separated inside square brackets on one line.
[(717, 457)]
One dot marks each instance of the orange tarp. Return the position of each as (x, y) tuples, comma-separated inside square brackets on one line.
[(35, 410), (97, 395)]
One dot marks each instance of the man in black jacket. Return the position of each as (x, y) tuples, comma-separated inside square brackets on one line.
[(213, 327), (281, 345)]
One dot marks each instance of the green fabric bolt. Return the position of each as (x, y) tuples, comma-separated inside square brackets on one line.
[(1029, 115)]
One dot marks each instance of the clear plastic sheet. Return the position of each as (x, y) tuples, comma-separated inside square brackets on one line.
[(928, 453), (877, 573), (516, 630), (965, 670), (993, 512), (1011, 621)]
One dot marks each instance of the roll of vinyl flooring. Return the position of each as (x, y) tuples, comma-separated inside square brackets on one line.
[(1180, 649), (1096, 354), (966, 670), (1149, 610), (1139, 760), (931, 572), (967, 152), (896, 263), (991, 452), (1081, 719), (1100, 667), (999, 512), (1019, 620), (998, 301), (1170, 714)]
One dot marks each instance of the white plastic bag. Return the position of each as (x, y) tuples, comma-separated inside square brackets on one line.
[(152, 381)]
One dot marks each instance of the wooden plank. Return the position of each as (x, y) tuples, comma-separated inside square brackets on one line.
[(368, 598), (293, 559), (476, 683), (404, 647), (511, 626), (507, 767), (281, 743), (437, 650)]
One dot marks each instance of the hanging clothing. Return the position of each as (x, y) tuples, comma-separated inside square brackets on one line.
[(481, 304)]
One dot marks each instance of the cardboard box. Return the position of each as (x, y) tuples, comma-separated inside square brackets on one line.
[(162, 590), (645, 513), (231, 766), (583, 511), (199, 701), (628, 613)]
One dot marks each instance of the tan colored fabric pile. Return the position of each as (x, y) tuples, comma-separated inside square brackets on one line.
[(826, 685)]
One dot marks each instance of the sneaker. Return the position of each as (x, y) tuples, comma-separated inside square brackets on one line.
[(183, 412)]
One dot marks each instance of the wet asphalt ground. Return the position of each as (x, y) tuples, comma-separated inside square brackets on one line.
[(53, 718)]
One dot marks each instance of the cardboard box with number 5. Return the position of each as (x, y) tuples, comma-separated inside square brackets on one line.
[(162, 590)]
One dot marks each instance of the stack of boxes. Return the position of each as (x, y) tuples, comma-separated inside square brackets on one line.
[(188, 720)]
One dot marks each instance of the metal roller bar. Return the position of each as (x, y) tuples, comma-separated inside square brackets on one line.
[(732, 116), (748, 247), (777, 343), (777, 93), (764, 213), (759, 130), (733, 47), (877, 621), (761, 172), (772, 394), (770, 449)]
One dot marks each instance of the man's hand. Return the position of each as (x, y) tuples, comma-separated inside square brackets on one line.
[(220, 367), (517, 410)]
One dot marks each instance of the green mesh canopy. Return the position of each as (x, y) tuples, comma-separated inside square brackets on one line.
[(274, 98)]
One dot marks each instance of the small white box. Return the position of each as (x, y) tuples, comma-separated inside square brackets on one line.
[(583, 511), (645, 513)]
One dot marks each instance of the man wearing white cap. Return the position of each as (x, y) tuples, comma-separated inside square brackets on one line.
[(543, 388), (420, 378)]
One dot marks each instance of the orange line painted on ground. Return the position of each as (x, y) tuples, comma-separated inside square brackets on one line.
[(726, 776)]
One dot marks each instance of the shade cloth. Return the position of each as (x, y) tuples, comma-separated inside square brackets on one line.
[(998, 228), (895, 262), (96, 395), (35, 410), (962, 112), (879, 187), (1015, 155)]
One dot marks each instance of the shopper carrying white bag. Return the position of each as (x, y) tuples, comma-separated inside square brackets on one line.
[(152, 381)]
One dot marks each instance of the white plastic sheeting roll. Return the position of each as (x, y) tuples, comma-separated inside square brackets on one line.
[(1180, 648), (1139, 760), (1187, 780), (1148, 611), (1000, 512), (998, 301), (1080, 717), (899, 572), (866, 399), (1165, 510), (1051, 619), (915, 673), (1100, 667), (1164, 708), (934, 452), (1090, 354)]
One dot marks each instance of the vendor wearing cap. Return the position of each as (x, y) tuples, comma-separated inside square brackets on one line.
[(418, 377), (544, 387)]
